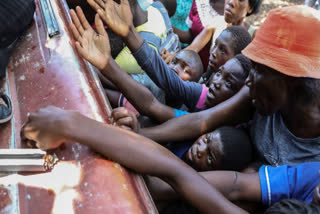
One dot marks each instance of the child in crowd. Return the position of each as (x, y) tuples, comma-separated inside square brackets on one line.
[(230, 42), (208, 192), (206, 22), (225, 83), (226, 148), (157, 70), (190, 70)]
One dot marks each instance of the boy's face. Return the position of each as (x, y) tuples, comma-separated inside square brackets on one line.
[(222, 51), (184, 66), (225, 83), (206, 153)]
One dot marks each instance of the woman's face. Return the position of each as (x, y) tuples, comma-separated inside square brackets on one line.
[(235, 11), (206, 153)]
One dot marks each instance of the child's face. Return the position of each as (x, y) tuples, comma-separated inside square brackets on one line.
[(225, 83), (184, 66), (221, 52), (206, 153), (235, 10)]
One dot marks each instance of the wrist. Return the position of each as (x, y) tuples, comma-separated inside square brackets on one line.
[(133, 40), (70, 125), (107, 66)]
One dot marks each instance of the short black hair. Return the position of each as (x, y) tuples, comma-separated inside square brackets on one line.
[(236, 148), (197, 61), (245, 63), (254, 6), (240, 36)]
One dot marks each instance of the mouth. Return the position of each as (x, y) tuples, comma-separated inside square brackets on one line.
[(192, 154), (210, 94), (212, 64), (228, 12)]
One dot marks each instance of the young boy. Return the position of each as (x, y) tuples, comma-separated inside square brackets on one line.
[(225, 83), (226, 148), (268, 186), (152, 63)]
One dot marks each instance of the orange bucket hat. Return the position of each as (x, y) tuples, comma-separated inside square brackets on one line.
[(289, 42)]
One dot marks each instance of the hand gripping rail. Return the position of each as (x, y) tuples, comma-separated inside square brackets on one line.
[(20, 160)]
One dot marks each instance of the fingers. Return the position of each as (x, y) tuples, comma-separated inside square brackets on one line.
[(163, 52), (80, 50), (75, 32), (99, 26), (76, 22), (120, 112), (124, 2), (96, 5), (125, 121), (83, 19)]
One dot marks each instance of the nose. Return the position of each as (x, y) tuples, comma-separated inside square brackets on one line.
[(231, 3), (214, 52), (249, 80), (202, 149)]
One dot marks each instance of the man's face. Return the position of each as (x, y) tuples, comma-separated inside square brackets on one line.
[(267, 89), (222, 51)]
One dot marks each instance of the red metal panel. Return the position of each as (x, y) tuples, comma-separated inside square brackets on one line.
[(42, 72)]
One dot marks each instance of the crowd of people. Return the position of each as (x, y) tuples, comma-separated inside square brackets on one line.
[(233, 111)]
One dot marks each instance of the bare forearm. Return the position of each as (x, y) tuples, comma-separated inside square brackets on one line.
[(132, 151), (235, 186), (201, 40), (138, 95), (133, 40), (185, 36), (235, 110)]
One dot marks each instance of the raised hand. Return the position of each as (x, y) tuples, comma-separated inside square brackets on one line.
[(93, 46), (46, 127), (118, 17), (125, 119), (167, 56)]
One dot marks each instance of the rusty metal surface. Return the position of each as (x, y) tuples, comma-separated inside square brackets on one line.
[(48, 71)]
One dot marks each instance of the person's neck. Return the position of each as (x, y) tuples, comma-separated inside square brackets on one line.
[(302, 120), (239, 23), (140, 16)]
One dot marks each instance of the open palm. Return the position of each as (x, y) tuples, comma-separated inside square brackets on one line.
[(118, 17), (93, 46)]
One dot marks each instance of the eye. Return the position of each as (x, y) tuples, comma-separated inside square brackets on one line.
[(209, 160), (229, 84), (222, 50)]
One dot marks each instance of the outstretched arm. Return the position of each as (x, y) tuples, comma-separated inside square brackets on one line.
[(235, 186), (116, 16), (89, 46), (238, 109), (50, 127)]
